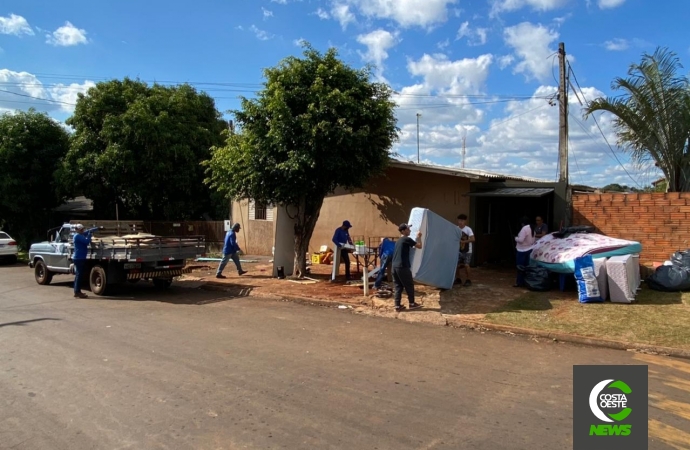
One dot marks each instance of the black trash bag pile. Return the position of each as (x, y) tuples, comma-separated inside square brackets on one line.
[(672, 278), (536, 278)]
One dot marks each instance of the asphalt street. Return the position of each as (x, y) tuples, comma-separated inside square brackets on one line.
[(194, 369)]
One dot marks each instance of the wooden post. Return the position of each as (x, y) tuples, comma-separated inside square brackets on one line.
[(366, 280)]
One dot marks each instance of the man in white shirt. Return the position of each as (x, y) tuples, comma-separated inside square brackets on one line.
[(466, 247)]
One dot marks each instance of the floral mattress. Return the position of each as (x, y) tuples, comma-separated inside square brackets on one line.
[(558, 254)]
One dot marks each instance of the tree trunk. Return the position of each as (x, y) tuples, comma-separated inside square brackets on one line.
[(305, 223)]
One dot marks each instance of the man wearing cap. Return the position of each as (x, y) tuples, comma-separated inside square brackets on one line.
[(402, 272), (341, 237), (82, 239), (231, 250)]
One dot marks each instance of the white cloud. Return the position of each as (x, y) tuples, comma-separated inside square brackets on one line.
[(532, 45), (522, 139), (407, 13), (261, 35), (475, 36), (505, 60), (322, 14), (67, 35), (443, 44), (610, 4), (16, 25), (617, 44), (378, 42), (280, 2), (442, 94), (299, 42), (341, 12), (24, 90), (266, 13), (499, 6)]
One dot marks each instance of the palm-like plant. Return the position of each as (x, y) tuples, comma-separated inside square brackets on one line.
[(652, 117)]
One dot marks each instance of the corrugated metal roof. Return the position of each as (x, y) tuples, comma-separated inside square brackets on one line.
[(467, 173), (513, 192)]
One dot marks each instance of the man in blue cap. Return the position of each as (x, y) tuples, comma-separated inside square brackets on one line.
[(82, 240), (341, 237), (231, 250)]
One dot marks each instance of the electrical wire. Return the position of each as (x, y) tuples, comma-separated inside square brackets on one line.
[(596, 122)]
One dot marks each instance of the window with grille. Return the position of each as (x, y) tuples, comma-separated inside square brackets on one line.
[(260, 211)]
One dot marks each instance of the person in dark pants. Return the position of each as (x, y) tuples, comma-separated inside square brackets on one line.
[(81, 242), (340, 237), (231, 250), (524, 242), (386, 251), (402, 273)]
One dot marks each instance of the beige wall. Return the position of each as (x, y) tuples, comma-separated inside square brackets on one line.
[(374, 212), (387, 201), (256, 237)]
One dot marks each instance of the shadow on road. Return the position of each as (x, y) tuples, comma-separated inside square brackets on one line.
[(22, 323), (180, 293)]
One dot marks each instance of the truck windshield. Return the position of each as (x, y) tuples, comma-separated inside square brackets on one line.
[(65, 234)]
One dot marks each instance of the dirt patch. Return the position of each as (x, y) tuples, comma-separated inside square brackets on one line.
[(491, 289)]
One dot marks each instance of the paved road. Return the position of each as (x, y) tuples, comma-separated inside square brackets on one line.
[(193, 369)]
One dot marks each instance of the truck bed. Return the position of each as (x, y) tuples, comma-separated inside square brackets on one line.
[(143, 249)]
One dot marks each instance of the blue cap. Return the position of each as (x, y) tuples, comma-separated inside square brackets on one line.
[(347, 224)]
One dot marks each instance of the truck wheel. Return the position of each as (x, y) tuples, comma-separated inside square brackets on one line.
[(162, 283), (98, 280), (42, 274)]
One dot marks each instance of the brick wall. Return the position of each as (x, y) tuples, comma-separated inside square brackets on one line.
[(659, 221)]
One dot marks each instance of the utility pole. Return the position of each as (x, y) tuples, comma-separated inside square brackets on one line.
[(418, 116), (563, 116), (463, 150)]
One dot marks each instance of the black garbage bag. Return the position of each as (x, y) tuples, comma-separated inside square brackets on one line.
[(536, 278), (670, 279), (681, 258)]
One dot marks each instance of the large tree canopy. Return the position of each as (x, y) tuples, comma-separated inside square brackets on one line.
[(652, 116), (142, 146), (317, 124), (32, 146)]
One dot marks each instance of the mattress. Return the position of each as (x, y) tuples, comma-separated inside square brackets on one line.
[(435, 263), (558, 254), (636, 270), (602, 277), (621, 277)]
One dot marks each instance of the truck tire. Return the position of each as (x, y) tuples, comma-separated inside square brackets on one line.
[(42, 274), (98, 280), (162, 283)]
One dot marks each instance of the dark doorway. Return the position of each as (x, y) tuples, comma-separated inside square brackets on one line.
[(497, 222)]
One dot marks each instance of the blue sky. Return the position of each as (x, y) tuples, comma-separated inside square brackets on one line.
[(479, 69)]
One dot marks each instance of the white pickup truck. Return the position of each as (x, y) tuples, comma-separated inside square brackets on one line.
[(113, 259)]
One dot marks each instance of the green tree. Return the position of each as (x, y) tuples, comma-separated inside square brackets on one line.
[(32, 146), (142, 147), (652, 116), (317, 124)]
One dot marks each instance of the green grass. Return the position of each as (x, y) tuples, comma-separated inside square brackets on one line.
[(23, 257), (657, 318)]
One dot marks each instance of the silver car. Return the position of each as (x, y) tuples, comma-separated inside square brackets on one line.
[(8, 248)]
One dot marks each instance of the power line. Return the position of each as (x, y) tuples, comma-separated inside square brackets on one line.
[(37, 98), (596, 122)]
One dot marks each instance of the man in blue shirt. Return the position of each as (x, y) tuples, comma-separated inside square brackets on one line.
[(340, 237), (385, 252), (231, 251), (81, 242)]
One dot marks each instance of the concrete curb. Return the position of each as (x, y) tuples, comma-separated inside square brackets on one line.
[(457, 322), (571, 338)]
